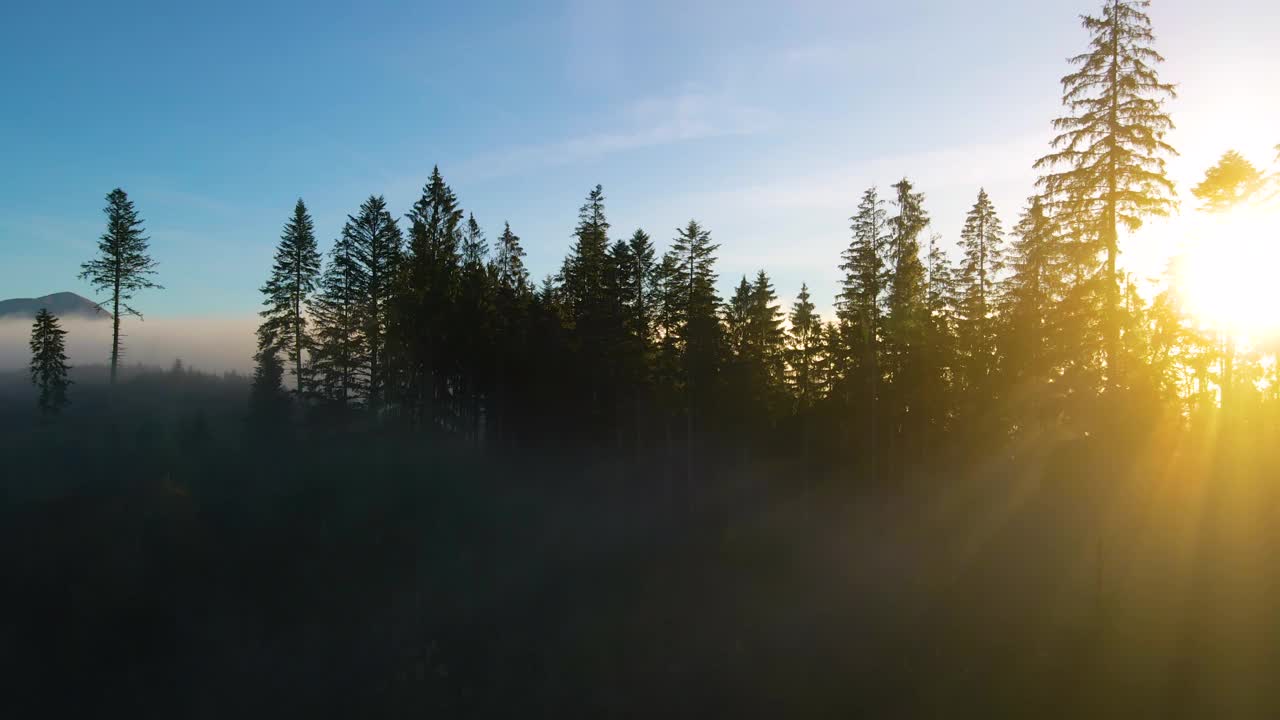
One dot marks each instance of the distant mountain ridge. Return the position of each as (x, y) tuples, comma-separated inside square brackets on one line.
[(62, 304)]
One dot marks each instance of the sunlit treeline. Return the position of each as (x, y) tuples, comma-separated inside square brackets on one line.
[(1028, 322)]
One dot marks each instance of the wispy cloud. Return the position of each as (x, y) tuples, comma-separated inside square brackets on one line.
[(941, 169), (647, 123)]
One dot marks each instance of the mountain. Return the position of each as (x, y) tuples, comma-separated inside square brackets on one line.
[(63, 304)]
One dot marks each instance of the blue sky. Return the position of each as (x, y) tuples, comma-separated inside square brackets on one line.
[(762, 120)]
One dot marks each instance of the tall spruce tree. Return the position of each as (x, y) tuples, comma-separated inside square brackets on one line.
[(424, 323), (1029, 295), (804, 354), (477, 326), (376, 248), (697, 327), (589, 287), (1106, 171), (339, 359), (49, 362), (907, 319), (122, 267), (640, 286), (582, 276), (287, 291), (982, 241), (512, 274), (859, 304)]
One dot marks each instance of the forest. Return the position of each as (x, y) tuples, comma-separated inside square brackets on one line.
[(1004, 476)]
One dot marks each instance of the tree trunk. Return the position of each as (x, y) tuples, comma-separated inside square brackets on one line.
[(115, 332)]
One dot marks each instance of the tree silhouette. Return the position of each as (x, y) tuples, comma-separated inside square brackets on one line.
[(982, 241), (340, 355), (288, 290), (1107, 167), (804, 356), (49, 362), (122, 267)]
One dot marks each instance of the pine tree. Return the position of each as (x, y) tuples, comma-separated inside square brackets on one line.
[(1030, 293), (589, 286), (1231, 182), (859, 303), (49, 362), (942, 300), (513, 318), (339, 358), (768, 341), (582, 276), (376, 252), (696, 324), (424, 322), (122, 267), (982, 241), (737, 319), (512, 274), (804, 355), (640, 286), (293, 279), (1107, 168), (476, 317), (907, 321)]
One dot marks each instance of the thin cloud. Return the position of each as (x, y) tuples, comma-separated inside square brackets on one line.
[(646, 123)]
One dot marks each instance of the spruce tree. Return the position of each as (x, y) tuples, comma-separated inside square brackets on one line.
[(376, 251), (589, 286), (907, 319), (339, 358), (582, 277), (982, 241), (862, 290), (768, 341), (804, 354), (1029, 294), (1231, 182), (123, 265), (49, 362), (287, 291), (696, 323), (512, 274), (477, 318), (737, 319), (640, 286), (513, 304), (424, 322), (1106, 171)]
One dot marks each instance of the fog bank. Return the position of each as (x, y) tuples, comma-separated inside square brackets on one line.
[(215, 344)]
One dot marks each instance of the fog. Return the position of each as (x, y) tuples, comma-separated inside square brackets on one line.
[(206, 343)]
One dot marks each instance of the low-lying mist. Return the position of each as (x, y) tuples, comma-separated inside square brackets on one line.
[(213, 344)]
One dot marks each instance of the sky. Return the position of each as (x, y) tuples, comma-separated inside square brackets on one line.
[(764, 121)]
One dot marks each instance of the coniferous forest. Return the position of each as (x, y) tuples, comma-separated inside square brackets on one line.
[(1002, 477)]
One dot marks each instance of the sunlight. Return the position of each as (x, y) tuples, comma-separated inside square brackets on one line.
[(1228, 280)]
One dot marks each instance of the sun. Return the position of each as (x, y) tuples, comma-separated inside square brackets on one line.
[(1229, 278)]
